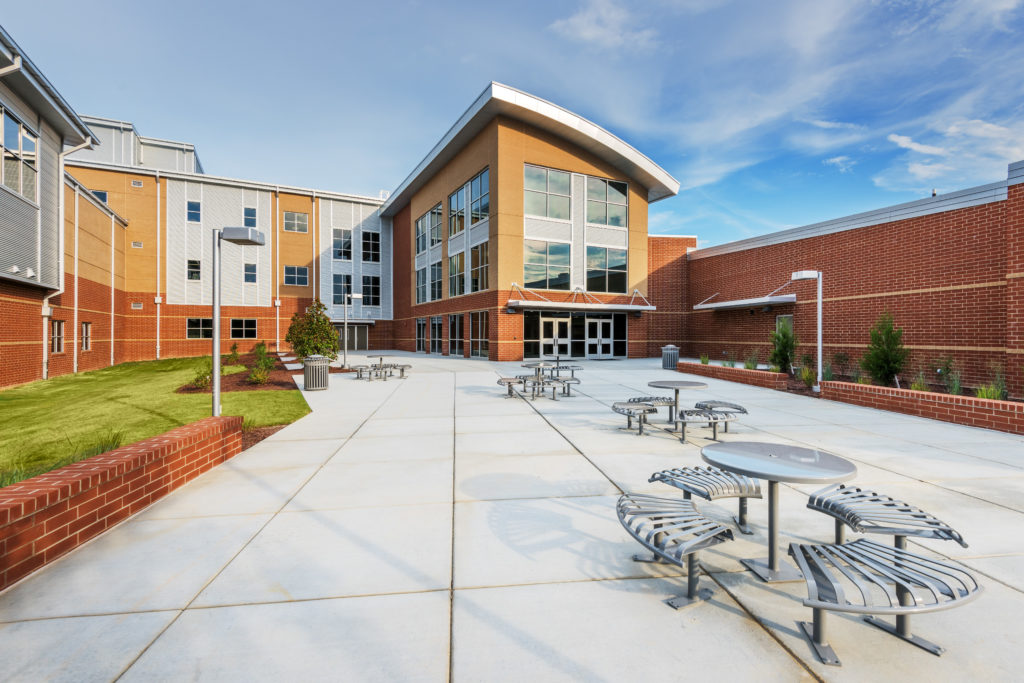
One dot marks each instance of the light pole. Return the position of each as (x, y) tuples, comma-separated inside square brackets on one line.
[(349, 298), (243, 236), (814, 275)]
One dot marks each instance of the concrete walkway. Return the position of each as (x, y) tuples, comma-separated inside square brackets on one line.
[(431, 529)]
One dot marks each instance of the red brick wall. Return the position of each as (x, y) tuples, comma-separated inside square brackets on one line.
[(943, 277), (666, 288), (759, 378), (1006, 416), (21, 333), (49, 515)]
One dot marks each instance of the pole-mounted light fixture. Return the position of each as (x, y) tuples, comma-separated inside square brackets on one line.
[(245, 237)]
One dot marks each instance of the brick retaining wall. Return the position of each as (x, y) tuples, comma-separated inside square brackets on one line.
[(49, 515), (1005, 416), (759, 378)]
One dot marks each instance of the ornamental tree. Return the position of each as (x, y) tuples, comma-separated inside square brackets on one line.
[(885, 356), (311, 333)]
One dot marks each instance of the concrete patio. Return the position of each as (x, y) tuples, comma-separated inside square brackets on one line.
[(432, 529)]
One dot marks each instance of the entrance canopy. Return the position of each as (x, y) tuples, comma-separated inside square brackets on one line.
[(580, 301)]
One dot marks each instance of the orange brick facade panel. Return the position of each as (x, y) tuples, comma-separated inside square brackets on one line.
[(758, 378), (950, 280), (1005, 416), (47, 516)]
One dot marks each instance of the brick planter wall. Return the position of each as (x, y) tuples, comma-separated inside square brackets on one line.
[(49, 515), (1005, 416), (759, 378)]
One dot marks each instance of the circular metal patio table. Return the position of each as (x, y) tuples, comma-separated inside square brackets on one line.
[(540, 366), (777, 462), (676, 384)]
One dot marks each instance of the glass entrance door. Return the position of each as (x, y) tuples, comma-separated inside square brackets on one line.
[(554, 339), (599, 338)]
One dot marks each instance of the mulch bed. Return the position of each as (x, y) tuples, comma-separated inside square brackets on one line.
[(280, 378), (251, 437)]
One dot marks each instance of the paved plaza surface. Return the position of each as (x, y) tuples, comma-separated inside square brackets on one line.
[(432, 529)]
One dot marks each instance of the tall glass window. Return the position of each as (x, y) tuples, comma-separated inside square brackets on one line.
[(19, 169), (371, 290), (457, 212), (479, 341), (436, 281), (607, 202), (421, 334), (428, 229), (457, 274), (548, 193), (249, 217), (455, 335), (546, 264), (421, 286), (606, 270), (479, 197), (341, 250), (342, 288), (436, 334), (371, 247), (478, 280)]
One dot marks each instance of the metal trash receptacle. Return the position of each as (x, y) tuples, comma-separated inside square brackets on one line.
[(314, 372), (669, 356)]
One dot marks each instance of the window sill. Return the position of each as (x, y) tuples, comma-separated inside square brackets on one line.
[(20, 196), (607, 227), (563, 221)]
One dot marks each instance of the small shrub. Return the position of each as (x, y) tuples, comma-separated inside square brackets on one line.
[(886, 355), (248, 424), (265, 363), (232, 357), (259, 375), (842, 361), (751, 359), (989, 391), (204, 374), (806, 360), (704, 359), (728, 361), (774, 368), (948, 374), (855, 375), (919, 383), (784, 343), (260, 349), (863, 380), (826, 372), (808, 375)]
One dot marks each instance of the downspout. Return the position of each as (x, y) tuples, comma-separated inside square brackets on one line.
[(277, 269), (113, 284), (60, 248), (313, 235), (74, 325), (159, 299)]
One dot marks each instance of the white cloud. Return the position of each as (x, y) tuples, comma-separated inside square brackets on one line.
[(928, 171), (603, 24), (834, 125), (908, 143), (842, 162)]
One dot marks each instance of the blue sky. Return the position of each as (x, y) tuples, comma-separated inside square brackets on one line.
[(771, 114)]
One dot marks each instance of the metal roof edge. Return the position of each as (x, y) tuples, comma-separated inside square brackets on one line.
[(497, 99), (221, 180)]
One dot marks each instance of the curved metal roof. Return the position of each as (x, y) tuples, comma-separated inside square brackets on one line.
[(498, 99)]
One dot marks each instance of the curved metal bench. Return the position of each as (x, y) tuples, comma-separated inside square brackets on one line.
[(571, 368), (722, 407), (868, 512), (632, 409), (657, 402), (693, 416), (554, 384), (360, 370), (401, 369), (711, 483), (508, 383), (567, 383), (674, 531), (866, 577)]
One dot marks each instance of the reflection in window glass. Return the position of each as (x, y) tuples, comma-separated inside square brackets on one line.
[(606, 270), (607, 202), (547, 193), (546, 264)]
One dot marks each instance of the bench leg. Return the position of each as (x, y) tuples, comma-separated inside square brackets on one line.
[(682, 432), (816, 634), (902, 628), (741, 518), (840, 533), (714, 431), (693, 594), (640, 422)]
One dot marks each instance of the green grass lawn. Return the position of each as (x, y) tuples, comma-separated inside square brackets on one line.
[(51, 423)]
